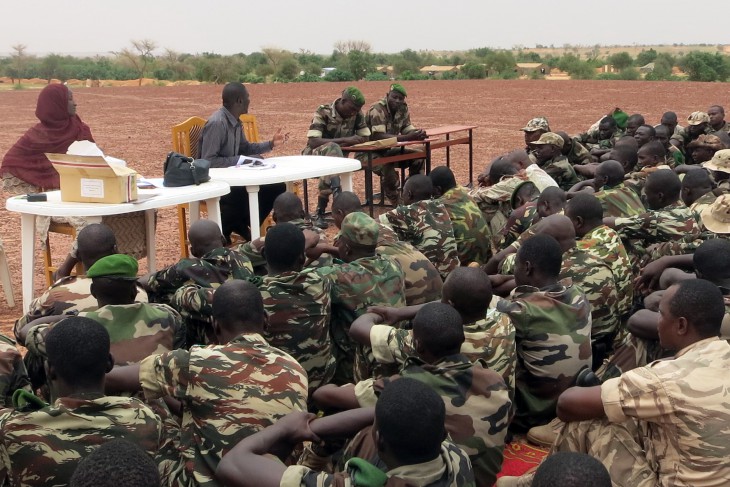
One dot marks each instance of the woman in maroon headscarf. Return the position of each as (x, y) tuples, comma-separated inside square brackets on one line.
[(25, 167)]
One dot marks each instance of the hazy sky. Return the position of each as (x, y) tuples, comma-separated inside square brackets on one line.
[(226, 27)]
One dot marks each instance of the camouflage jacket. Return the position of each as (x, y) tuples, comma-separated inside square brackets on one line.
[(594, 277), (578, 153), (494, 201), (381, 121), (561, 171), (683, 404), (426, 224), (469, 390), (328, 124), (620, 201), (604, 244), (228, 392), (12, 371), (69, 295), (214, 268), (553, 334), (491, 340), (423, 282), (470, 228), (369, 281), (451, 469), (42, 448), (298, 305), (591, 139), (519, 221)]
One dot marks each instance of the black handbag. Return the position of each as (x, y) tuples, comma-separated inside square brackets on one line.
[(181, 170)]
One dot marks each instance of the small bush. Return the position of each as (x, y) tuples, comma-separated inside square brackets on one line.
[(18, 87), (629, 74), (339, 75), (252, 78), (376, 76), (409, 76), (607, 76), (450, 75), (307, 78)]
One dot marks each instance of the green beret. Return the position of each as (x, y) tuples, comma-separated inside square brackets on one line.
[(399, 88), (115, 266), (621, 118), (355, 94), (359, 228)]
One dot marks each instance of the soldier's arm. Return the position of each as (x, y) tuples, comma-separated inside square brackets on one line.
[(123, 378), (331, 396), (644, 324), (580, 403), (360, 328), (22, 334)]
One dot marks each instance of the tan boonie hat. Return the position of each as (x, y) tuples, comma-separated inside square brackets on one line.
[(697, 118), (550, 138), (716, 217), (539, 123), (359, 228), (719, 162), (707, 141)]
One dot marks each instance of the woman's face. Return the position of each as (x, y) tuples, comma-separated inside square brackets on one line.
[(71, 103)]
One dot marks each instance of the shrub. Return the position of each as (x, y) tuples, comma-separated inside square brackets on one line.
[(307, 78), (409, 76), (376, 76), (252, 78), (339, 75)]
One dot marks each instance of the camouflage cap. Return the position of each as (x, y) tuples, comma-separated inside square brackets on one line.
[(399, 88), (550, 138), (115, 266), (716, 217), (539, 123), (359, 228), (355, 94), (707, 141), (697, 118), (719, 162)]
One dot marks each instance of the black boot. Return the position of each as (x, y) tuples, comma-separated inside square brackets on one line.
[(319, 219)]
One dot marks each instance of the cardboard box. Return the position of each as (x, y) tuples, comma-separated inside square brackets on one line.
[(91, 179)]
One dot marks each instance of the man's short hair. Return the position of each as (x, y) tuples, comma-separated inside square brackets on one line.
[(712, 259), (654, 148), (95, 241), (116, 463), (612, 170), (669, 117), (469, 290), (288, 206), (411, 417), (231, 92), (238, 302), (650, 128), (697, 178), (284, 245), (78, 350), (627, 155), (553, 195), (439, 328), (636, 117), (347, 202), (501, 167), (421, 186), (608, 121), (442, 177), (571, 469), (544, 253), (701, 303), (665, 181), (586, 206)]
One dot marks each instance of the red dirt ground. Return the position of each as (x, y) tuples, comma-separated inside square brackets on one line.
[(134, 124)]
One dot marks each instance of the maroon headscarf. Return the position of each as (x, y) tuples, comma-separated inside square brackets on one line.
[(56, 132)]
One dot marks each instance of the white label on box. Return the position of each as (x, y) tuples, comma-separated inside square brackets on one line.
[(92, 188)]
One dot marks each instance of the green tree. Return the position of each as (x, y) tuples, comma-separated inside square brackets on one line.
[(645, 57), (621, 60), (473, 70), (52, 66), (360, 63), (139, 57), (703, 66), (288, 69)]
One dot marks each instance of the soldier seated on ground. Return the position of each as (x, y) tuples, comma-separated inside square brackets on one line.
[(570, 469), (400, 448), (666, 423), (574, 150), (604, 139), (115, 463), (42, 447), (633, 123), (644, 134), (617, 199), (533, 130), (465, 387), (675, 157), (548, 155)]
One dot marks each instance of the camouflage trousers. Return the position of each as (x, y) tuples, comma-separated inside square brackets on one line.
[(326, 186), (390, 181), (620, 447), (630, 353)]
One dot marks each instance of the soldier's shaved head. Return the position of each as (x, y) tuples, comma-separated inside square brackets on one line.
[(443, 180), (469, 291), (543, 255), (417, 188), (626, 155), (77, 351), (284, 248), (204, 236), (627, 141), (611, 172), (287, 207), (633, 122), (585, 212), (551, 201), (94, 242), (571, 469), (712, 260), (114, 463), (696, 183), (662, 188), (344, 204), (501, 167), (238, 307), (560, 228), (439, 330)]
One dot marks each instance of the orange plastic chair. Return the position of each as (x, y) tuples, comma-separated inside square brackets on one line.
[(185, 140)]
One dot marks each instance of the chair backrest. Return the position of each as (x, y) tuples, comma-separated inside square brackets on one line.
[(250, 127), (186, 136)]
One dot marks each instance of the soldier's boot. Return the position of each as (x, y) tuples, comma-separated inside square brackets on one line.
[(587, 378), (336, 187), (546, 434), (319, 219)]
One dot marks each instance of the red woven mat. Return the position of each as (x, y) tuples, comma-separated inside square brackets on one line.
[(520, 457)]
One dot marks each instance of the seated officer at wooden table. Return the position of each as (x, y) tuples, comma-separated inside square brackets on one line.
[(224, 144)]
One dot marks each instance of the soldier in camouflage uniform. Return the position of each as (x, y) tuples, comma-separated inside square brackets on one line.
[(617, 199), (603, 139), (389, 118), (675, 156), (665, 423), (339, 124), (13, 375), (698, 123), (550, 158), (228, 391), (552, 321), (42, 447), (574, 150), (469, 390), (362, 279), (470, 227), (423, 282), (426, 224), (298, 305), (533, 130), (400, 449)]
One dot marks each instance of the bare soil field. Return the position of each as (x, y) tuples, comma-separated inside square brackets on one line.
[(133, 123)]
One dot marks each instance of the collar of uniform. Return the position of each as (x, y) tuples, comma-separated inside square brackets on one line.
[(255, 338), (552, 290), (233, 121), (421, 474), (700, 343), (384, 102), (448, 362), (335, 114), (595, 231)]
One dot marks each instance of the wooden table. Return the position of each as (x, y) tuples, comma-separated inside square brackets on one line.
[(448, 130), (149, 200)]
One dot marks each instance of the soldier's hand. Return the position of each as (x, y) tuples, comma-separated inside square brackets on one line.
[(649, 275), (417, 135), (296, 427), (356, 139), (389, 315)]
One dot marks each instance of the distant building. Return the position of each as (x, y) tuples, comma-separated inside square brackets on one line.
[(606, 68), (324, 72), (526, 69), (647, 68), (436, 71), (386, 70)]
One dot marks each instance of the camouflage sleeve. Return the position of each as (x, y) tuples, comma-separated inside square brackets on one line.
[(319, 123), (637, 227), (397, 220), (301, 476), (375, 119), (13, 375), (167, 374), (193, 301), (179, 339), (638, 393), (361, 128), (165, 281), (365, 392), (390, 345), (255, 258), (406, 127)]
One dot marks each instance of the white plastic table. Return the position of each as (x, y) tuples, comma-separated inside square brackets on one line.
[(288, 168), (149, 200)]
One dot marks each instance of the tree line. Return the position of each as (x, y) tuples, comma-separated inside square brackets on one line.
[(352, 60)]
